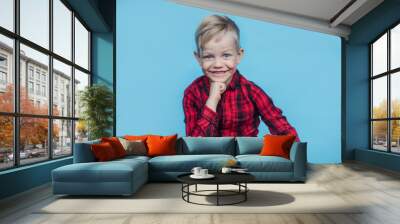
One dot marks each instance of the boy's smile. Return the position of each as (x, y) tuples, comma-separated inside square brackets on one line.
[(218, 73), (220, 57)]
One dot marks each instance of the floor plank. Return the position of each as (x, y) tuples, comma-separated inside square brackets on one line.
[(377, 190)]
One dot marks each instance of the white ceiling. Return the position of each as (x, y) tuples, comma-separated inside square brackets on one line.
[(320, 9), (324, 16)]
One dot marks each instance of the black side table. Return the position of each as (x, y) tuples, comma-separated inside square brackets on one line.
[(239, 179)]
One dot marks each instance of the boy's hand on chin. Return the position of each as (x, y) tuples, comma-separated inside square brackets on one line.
[(216, 90)]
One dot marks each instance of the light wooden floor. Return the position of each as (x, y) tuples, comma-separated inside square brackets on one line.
[(377, 188)]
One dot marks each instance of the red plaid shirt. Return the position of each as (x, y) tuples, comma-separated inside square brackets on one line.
[(238, 112)]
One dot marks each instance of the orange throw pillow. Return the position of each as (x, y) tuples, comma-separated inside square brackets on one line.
[(277, 145), (103, 151), (161, 145), (136, 137), (116, 145)]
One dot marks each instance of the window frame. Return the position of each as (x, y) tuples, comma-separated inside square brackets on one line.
[(16, 115), (388, 74)]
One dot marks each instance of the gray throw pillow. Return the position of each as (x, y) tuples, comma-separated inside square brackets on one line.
[(137, 147)]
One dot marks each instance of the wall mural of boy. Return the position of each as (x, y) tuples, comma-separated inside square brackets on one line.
[(222, 102)]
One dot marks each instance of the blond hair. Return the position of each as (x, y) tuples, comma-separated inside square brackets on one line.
[(212, 26)]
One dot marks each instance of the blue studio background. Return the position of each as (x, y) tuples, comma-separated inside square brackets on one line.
[(299, 69)]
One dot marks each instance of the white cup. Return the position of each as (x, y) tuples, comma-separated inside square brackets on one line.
[(196, 170), (203, 172), (226, 170)]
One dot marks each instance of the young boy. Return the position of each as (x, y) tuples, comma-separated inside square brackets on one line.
[(222, 102)]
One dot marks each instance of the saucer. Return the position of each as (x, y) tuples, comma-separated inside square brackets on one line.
[(240, 171), (208, 176)]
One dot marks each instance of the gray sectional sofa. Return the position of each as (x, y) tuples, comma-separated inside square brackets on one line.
[(125, 176)]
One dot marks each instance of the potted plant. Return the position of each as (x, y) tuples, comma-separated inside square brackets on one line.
[(97, 103)]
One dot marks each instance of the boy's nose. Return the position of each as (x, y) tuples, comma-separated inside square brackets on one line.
[(217, 63)]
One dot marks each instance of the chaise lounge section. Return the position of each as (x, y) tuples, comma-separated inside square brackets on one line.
[(88, 177)]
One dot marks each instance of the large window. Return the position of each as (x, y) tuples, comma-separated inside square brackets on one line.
[(385, 91), (44, 65)]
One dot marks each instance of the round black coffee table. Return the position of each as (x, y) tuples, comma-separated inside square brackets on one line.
[(238, 179)]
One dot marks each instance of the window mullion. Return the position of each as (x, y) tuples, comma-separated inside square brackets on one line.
[(73, 82), (89, 55), (389, 101), (371, 137), (16, 83), (50, 81)]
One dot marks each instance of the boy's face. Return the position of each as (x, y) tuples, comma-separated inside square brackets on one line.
[(220, 57)]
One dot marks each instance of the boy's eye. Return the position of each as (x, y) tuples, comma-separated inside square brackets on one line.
[(226, 55), (207, 56)]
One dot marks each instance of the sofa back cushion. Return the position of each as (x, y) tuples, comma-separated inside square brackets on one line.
[(83, 152), (249, 145), (207, 145)]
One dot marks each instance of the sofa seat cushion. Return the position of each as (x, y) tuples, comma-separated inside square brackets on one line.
[(112, 171), (257, 163), (133, 158), (185, 163)]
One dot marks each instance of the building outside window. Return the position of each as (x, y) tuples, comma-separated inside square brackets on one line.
[(37, 75), (3, 72), (55, 95), (38, 89), (3, 80), (43, 77), (43, 90), (34, 78), (30, 72), (3, 61), (30, 87)]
